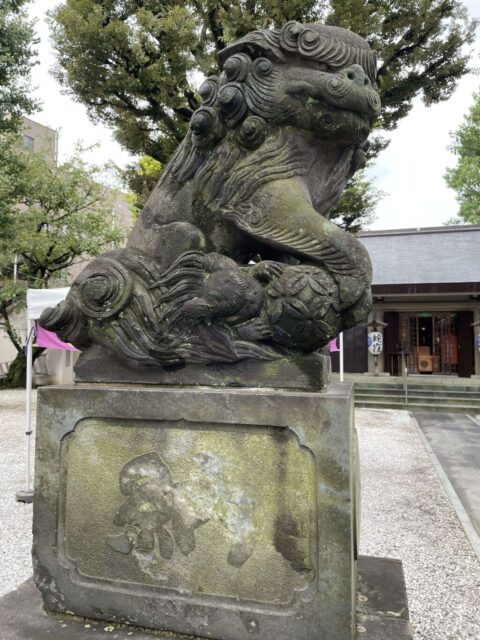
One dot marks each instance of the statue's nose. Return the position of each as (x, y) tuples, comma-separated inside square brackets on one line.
[(356, 74)]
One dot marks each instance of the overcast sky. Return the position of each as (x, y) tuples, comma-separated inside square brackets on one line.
[(410, 171)]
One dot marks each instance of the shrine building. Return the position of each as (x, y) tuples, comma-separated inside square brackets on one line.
[(426, 303)]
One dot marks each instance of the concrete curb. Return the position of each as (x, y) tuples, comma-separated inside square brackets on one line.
[(457, 505)]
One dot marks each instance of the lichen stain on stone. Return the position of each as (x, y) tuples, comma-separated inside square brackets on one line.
[(290, 543), (196, 616), (333, 472), (47, 584)]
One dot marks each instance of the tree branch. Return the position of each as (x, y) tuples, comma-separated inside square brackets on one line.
[(9, 329)]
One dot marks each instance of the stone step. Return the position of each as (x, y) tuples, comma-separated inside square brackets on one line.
[(416, 401), (417, 389), (420, 396), (415, 385), (394, 404)]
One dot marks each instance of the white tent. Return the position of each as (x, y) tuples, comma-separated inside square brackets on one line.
[(40, 299), (37, 301)]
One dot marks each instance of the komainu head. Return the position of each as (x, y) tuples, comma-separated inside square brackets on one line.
[(315, 78)]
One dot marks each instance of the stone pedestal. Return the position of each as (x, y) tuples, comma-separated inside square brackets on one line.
[(226, 513), (382, 612)]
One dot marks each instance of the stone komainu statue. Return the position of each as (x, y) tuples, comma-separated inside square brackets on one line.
[(234, 256)]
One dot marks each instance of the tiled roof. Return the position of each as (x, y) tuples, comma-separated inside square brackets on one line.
[(429, 255)]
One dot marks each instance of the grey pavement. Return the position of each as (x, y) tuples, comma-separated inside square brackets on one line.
[(15, 517), (455, 441)]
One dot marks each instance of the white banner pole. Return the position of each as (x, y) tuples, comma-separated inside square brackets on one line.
[(37, 301), (27, 494), (28, 408)]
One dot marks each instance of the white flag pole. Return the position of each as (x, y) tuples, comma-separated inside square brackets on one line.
[(27, 494), (37, 301)]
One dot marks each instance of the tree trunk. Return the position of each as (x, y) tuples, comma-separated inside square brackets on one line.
[(17, 373)]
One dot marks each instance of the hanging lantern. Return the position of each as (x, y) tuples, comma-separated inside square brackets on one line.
[(375, 343)]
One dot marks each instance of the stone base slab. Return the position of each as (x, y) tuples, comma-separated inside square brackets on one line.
[(383, 615), (228, 513), (306, 372)]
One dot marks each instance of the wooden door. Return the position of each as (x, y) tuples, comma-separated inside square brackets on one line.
[(355, 353), (466, 357), (392, 342), (355, 349)]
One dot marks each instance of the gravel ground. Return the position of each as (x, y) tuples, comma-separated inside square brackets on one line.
[(15, 517), (405, 514)]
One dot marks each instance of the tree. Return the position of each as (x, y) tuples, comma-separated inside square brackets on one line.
[(134, 63), (17, 56), (465, 177), (141, 179), (356, 207), (57, 216)]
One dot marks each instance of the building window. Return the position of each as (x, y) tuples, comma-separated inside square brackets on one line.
[(28, 142)]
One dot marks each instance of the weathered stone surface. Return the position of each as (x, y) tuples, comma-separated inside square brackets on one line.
[(228, 513), (23, 618), (233, 256), (381, 586), (308, 372)]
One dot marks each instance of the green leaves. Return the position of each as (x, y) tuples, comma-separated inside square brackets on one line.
[(465, 177), (419, 45), (132, 63), (129, 64), (52, 215), (356, 207), (141, 180), (17, 55)]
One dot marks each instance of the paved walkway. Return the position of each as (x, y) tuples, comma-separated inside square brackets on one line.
[(406, 514), (455, 441)]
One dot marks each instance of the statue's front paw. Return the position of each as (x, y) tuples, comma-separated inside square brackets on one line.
[(255, 330), (267, 270)]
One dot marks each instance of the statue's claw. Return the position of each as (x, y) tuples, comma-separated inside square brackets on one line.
[(267, 270)]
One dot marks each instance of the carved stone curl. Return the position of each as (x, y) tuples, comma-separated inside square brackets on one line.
[(234, 256)]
